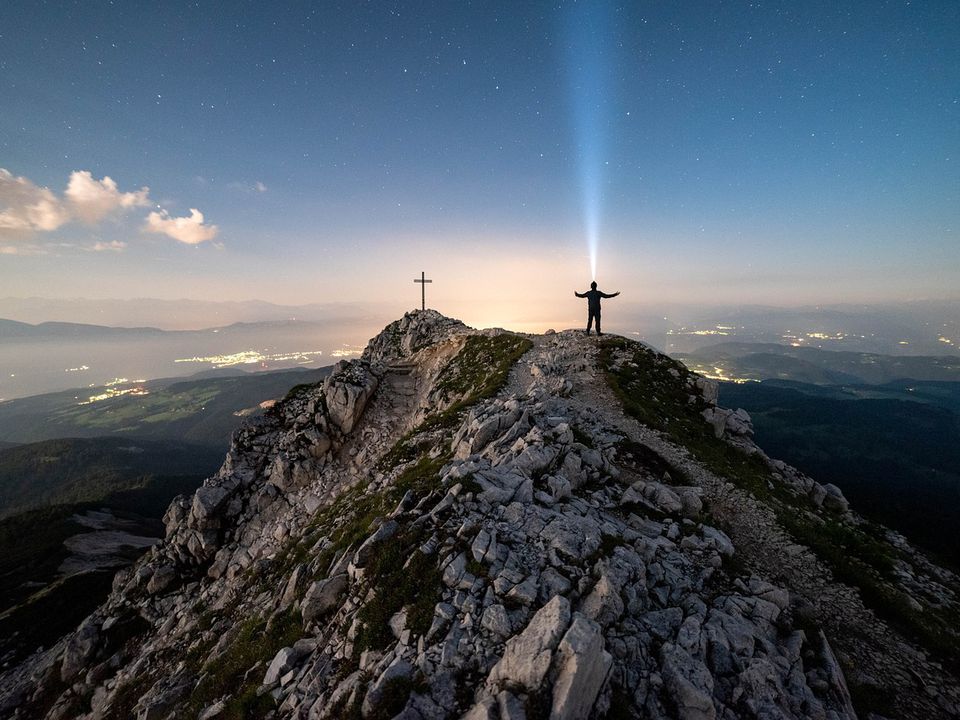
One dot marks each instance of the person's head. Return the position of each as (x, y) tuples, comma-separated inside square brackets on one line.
[(593, 285)]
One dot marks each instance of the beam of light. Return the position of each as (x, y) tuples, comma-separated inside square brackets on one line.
[(589, 33)]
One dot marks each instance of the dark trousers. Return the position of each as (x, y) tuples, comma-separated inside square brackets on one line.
[(591, 316)]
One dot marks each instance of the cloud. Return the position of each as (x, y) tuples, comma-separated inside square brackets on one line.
[(260, 187), (112, 246), (26, 208), (91, 200), (190, 230), (22, 250)]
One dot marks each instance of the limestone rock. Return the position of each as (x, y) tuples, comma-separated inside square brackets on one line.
[(346, 392), (582, 669), (284, 661), (383, 533), (79, 649), (834, 499), (399, 669), (527, 656), (709, 389), (322, 596), (689, 683), (207, 501)]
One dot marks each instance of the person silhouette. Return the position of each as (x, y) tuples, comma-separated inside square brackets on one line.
[(593, 304)]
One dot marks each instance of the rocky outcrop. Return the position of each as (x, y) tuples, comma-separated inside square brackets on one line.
[(410, 334), (481, 546), (734, 422), (345, 393)]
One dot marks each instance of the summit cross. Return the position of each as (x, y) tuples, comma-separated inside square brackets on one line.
[(423, 289)]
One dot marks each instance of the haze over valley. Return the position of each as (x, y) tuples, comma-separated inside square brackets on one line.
[(51, 345), (101, 362)]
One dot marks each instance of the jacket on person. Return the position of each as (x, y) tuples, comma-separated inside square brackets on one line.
[(593, 298)]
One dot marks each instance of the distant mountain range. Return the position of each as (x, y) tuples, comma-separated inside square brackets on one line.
[(879, 328), (13, 330), (183, 313), (54, 356)]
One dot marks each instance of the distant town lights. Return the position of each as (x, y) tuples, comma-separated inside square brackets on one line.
[(115, 392), (251, 357)]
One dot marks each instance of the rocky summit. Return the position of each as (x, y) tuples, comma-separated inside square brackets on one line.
[(488, 525)]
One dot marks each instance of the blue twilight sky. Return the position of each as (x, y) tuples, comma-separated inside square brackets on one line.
[(737, 152)]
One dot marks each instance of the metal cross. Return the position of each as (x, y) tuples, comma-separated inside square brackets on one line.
[(423, 289)]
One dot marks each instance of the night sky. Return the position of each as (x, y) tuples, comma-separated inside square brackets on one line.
[(320, 152)]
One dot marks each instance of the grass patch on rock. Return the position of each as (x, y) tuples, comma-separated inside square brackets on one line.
[(402, 579), (303, 389), (478, 372), (656, 390), (257, 640), (868, 564), (481, 367)]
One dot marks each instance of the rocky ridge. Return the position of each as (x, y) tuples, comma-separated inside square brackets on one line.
[(476, 524)]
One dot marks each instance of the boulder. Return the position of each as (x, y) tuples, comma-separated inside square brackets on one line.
[(485, 709), (717, 417), (162, 578), (346, 392), (653, 494), (383, 533), (213, 710), (709, 389), (399, 669), (207, 502), (834, 499), (322, 597), (318, 443), (527, 656), (604, 604), (739, 423), (79, 649), (720, 540), (164, 697), (283, 662), (582, 669), (176, 513), (496, 621), (689, 683)]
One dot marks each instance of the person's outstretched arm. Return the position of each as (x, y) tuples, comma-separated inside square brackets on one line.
[(603, 294), (579, 295)]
